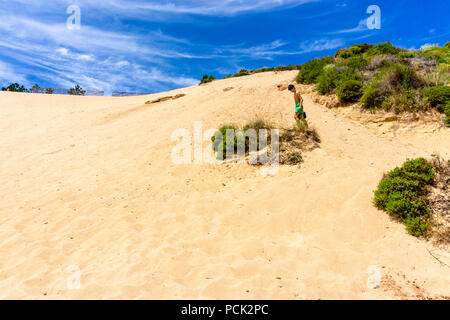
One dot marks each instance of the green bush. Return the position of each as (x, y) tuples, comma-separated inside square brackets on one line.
[(350, 91), (396, 88), (447, 120), (310, 71), (240, 138), (15, 87), (417, 226), (371, 98), (437, 96), (355, 62), (77, 91), (403, 194), (206, 79), (360, 48), (326, 82), (384, 48), (441, 55), (219, 141), (343, 53), (332, 77), (447, 45)]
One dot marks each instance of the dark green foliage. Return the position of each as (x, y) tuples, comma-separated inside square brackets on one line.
[(15, 87), (354, 63), (239, 138), (242, 72), (438, 96), (206, 79), (396, 88), (447, 121), (77, 91), (310, 71), (220, 139), (441, 55), (49, 91), (447, 45), (360, 48), (331, 78), (384, 48), (417, 226), (343, 53), (350, 91), (35, 88), (326, 82), (372, 97), (403, 194)]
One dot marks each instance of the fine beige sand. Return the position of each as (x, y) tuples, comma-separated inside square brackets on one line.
[(88, 183)]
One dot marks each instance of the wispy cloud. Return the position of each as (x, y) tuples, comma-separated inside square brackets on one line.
[(362, 26), (90, 57), (194, 7), (10, 73)]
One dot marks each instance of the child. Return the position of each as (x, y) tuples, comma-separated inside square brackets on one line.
[(299, 113)]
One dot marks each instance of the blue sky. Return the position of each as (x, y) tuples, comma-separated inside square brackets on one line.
[(158, 45)]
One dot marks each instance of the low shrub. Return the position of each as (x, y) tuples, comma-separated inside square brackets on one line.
[(397, 88), (446, 110), (384, 48), (310, 71), (332, 77), (326, 82), (221, 141), (350, 91), (206, 79), (343, 53), (371, 98), (403, 194), (355, 62), (77, 91), (15, 87), (438, 96)]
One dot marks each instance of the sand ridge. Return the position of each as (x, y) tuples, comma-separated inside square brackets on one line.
[(89, 182)]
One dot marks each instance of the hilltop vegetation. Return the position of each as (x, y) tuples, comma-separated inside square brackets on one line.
[(15, 87), (385, 77), (380, 76)]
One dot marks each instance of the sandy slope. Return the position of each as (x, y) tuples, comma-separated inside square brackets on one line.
[(89, 181)]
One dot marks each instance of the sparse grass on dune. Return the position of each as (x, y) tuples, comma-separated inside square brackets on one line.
[(292, 141)]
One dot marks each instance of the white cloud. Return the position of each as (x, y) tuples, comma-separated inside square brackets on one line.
[(196, 7), (362, 26), (9, 74), (321, 45)]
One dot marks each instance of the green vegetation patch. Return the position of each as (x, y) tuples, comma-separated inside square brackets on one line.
[(350, 91), (310, 71), (207, 78), (403, 194)]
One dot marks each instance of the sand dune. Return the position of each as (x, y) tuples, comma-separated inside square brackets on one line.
[(88, 183)]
